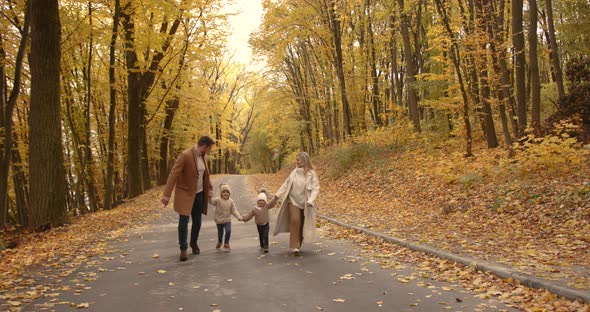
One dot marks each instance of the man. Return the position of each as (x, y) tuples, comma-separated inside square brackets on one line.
[(190, 176)]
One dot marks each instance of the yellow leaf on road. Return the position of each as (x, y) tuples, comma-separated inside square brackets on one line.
[(84, 305), (339, 300), (14, 303)]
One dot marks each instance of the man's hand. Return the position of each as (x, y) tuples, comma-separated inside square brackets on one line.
[(165, 201)]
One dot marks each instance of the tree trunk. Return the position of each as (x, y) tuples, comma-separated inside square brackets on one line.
[(139, 82), (19, 181), (456, 58), (7, 104), (135, 130), (534, 70), (334, 23), (77, 153), (171, 106), (375, 95), (519, 65), (109, 187), (490, 129), (495, 38), (89, 162), (4, 152), (47, 185), (554, 54), (411, 68), (145, 172)]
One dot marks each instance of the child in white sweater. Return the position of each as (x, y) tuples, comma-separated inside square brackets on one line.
[(261, 218), (224, 208)]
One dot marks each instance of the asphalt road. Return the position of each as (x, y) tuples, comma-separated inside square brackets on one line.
[(144, 274)]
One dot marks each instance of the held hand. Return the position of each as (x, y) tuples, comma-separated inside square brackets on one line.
[(165, 201), (309, 205)]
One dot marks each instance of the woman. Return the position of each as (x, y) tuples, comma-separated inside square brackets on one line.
[(298, 209)]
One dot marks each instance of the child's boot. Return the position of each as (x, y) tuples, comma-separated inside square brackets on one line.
[(218, 245), (226, 247)]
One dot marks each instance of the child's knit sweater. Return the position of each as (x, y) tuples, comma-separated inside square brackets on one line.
[(260, 215), (224, 208)]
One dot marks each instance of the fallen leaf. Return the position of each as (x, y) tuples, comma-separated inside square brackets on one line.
[(14, 303), (339, 300)]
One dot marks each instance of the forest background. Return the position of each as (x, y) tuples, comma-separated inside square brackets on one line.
[(455, 107)]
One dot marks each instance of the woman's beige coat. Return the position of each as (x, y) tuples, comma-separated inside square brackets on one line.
[(312, 184)]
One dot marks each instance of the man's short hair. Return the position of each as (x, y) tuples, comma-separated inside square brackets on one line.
[(206, 140)]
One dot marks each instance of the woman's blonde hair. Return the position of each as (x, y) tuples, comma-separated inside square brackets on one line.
[(307, 165)]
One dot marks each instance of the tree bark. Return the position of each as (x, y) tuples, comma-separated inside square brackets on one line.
[(19, 181), (139, 81), (554, 54), (411, 68), (495, 38), (7, 104), (519, 65), (375, 95), (109, 187), (171, 106), (490, 129), (47, 184), (88, 161), (456, 58), (334, 24), (534, 70)]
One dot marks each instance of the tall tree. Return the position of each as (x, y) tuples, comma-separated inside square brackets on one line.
[(140, 81), (411, 67), (335, 27), (109, 187), (534, 69), (495, 29), (47, 174), (7, 104), (482, 22), (455, 54), (519, 65), (554, 54)]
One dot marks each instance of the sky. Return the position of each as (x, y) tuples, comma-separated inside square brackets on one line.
[(247, 21)]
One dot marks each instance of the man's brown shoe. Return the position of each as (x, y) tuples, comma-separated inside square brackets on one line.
[(218, 245), (183, 255), (195, 248), (226, 248)]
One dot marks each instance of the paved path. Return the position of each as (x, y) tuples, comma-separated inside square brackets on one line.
[(329, 276)]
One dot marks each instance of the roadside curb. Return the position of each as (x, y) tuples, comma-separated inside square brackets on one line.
[(484, 266)]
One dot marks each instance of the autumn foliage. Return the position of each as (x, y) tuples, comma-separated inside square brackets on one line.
[(528, 209)]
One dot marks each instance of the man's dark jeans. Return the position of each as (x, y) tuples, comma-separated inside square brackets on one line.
[(263, 234), (196, 227)]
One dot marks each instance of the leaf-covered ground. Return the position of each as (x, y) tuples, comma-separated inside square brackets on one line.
[(41, 260), (537, 222)]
